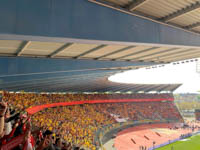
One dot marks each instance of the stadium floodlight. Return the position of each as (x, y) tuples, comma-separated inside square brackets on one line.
[(87, 92), (129, 92), (164, 92), (152, 92)]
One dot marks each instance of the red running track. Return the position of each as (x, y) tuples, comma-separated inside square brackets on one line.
[(145, 135)]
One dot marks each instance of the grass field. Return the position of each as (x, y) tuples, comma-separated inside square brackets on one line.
[(192, 143)]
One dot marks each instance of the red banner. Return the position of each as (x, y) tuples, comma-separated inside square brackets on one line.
[(35, 109)]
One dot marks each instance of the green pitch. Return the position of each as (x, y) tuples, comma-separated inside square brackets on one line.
[(192, 143)]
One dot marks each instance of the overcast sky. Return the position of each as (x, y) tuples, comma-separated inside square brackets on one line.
[(184, 73)]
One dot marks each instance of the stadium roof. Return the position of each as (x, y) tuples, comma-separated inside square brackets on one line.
[(93, 81), (99, 50), (176, 13), (69, 75), (78, 44), (179, 13)]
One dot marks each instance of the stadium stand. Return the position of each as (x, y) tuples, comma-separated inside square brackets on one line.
[(77, 126), (75, 46), (25, 100)]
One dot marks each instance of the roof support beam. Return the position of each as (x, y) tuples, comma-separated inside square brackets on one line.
[(135, 53), (181, 12), (163, 88), (115, 88), (120, 50), (90, 51), (62, 48), (173, 89), (127, 88), (23, 47), (154, 88), (171, 54), (182, 57), (139, 87), (151, 88), (192, 26), (135, 4), (183, 53), (168, 50)]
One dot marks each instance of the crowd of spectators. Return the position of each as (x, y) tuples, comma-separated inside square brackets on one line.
[(18, 132), (73, 127), (25, 100), (143, 110), (78, 124)]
